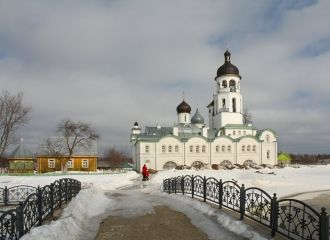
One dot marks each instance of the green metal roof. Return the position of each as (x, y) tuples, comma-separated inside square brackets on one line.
[(237, 126)]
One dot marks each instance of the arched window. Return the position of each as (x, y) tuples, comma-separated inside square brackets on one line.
[(203, 148), (268, 154), (228, 148), (234, 132), (146, 148), (243, 148), (176, 148), (239, 133), (267, 138), (234, 104), (224, 83), (191, 149), (163, 149), (217, 148), (223, 148), (232, 85), (253, 148), (170, 148), (248, 148), (197, 149), (223, 103)]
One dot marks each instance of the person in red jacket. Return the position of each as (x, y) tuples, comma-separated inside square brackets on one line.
[(145, 173)]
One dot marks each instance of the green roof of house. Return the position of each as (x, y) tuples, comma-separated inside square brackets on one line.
[(21, 152), (237, 126)]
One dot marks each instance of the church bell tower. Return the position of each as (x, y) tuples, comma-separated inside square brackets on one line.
[(227, 105)]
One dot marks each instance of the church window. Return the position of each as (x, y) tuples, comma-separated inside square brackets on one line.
[(203, 148), (217, 148), (267, 138), (197, 149), (248, 148), (223, 148), (146, 148), (234, 132), (229, 148), (70, 163), (163, 148), (232, 85), (243, 148), (169, 148), (224, 83), (223, 103), (51, 163), (253, 148), (191, 149), (176, 148), (234, 104), (239, 133), (268, 154)]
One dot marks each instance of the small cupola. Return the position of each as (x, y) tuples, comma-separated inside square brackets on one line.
[(183, 107), (197, 118), (227, 68)]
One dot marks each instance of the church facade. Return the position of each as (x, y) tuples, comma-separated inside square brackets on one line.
[(228, 138)]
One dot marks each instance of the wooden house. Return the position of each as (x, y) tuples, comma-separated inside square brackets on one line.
[(83, 159)]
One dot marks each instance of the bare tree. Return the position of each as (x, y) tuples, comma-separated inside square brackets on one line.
[(73, 135), (247, 116), (117, 156), (13, 114)]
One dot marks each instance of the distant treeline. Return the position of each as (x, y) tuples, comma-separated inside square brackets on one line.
[(310, 158)]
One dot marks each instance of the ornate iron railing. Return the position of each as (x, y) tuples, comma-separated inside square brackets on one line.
[(36, 206), (289, 217)]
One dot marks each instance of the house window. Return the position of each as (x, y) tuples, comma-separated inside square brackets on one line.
[(51, 163), (191, 149), (146, 148), (197, 149), (176, 148), (239, 133), (223, 148), (85, 163), (203, 148), (243, 148), (268, 154), (70, 163), (217, 148), (169, 148), (163, 149), (229, 148), (253, 148), (248, 148), (234, 132)]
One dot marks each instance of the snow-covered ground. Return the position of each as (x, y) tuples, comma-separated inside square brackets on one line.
[(80, 220)]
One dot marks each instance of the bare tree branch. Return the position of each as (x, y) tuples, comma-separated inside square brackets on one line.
[(13, 115), (247, 116)]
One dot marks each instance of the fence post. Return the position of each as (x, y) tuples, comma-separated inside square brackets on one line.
[(273, 215), (242, 201), (220, 193), (20, 220), (66, 189), (175, 185), (39, 204), (324, 225), (192, 186), (5, 196), (182, 184), (52, 199), (204, 188)]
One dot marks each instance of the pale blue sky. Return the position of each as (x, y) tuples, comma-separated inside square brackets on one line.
[(111, 63)]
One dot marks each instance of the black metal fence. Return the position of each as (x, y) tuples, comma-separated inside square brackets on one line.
[(34, 205), (289, 217)]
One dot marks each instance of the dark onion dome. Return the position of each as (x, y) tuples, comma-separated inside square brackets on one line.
[(227, 67), (183, 107), (197, 118), (136, 124)]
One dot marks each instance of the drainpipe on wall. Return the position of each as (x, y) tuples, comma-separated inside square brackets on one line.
[(184, 153)]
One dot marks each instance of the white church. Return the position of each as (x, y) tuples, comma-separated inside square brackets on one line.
[(226, 139)]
